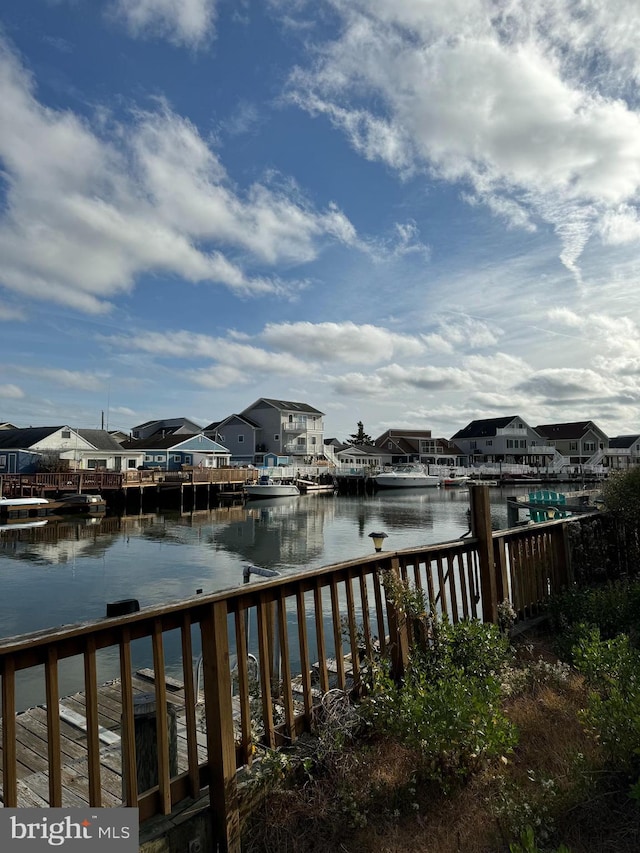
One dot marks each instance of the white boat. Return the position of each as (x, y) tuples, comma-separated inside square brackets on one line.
[(406, 476), (455, 480), (271, 487)]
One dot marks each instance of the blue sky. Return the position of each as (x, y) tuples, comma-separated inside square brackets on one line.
[(412, 214)]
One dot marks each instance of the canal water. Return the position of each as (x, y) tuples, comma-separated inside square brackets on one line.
[(66, 572)]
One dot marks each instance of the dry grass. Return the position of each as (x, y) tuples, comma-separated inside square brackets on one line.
[(375, 780)]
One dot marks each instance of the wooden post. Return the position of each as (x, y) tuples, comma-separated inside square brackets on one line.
[(223, 789), (145, 711), (481, 531), (398, 633)]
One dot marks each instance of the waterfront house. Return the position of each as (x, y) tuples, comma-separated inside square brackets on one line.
[(24, 451), (239, 434), (164, 427), (7, 425), (624, 451), (103, 454), (411, 445), (172, 452), (580, 442), (286, 428), (362, 456), (509, 439)]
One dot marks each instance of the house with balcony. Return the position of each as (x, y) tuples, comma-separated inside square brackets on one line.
[(624, 452), (503, 440), (286, 428), (407, 445), (580, 442)]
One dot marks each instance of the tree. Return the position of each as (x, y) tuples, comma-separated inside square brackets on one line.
[(360, 437)]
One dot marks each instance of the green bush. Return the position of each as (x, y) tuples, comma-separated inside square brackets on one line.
[(613, 608), (448, 708), (612, 670)]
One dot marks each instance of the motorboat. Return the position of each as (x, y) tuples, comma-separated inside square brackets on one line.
[(406, 476), (81, 503), (271, 487), (455, 479)]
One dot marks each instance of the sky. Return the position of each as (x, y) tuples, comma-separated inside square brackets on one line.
[(412, 214)]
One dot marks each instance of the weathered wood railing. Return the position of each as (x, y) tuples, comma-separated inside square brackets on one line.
[(308, 633)]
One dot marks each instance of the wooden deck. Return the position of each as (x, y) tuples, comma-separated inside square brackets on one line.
[(32, 748)]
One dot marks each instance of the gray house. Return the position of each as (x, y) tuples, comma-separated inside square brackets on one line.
[(277, 427), (579, 441), (507, 439)]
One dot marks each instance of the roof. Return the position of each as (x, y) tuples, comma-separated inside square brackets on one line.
[(574, 429), (156, 442), (101, 439), (27, 437), (483, 428), (167, 423), (622, 441), (287, 405)]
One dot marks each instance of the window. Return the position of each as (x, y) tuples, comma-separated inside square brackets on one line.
[(489, 442), (573, 445), (159, 458), (65, 433), (96, 463), (313, 439), (276, 437), (136, 433), (523, 442), (300, 442), (3, 461), (131, 463), (176, 457), (187, 459), (148, 458), (240, 439), (509, 443), (590, 446)]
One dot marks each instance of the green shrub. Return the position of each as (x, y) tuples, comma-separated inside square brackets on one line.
[(448, 708), (612, 670)]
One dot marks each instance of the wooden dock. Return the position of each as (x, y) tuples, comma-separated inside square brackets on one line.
[(32, 746)]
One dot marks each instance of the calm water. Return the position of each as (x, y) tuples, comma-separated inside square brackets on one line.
[(66, 573)]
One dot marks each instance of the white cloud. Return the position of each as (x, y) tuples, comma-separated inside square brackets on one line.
[(8, 312), (495, 96), (11, 392), (183, 22), (90, 208), (346, 341), (80, 380)]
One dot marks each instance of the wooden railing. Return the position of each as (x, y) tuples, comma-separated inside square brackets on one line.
[(305, 634)]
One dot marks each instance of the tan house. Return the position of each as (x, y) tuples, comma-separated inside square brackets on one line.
[(581, 442)]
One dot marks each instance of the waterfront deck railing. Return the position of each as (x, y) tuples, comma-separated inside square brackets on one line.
[(268, 653)]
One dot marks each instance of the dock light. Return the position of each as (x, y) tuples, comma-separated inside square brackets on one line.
[(378, 539)]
